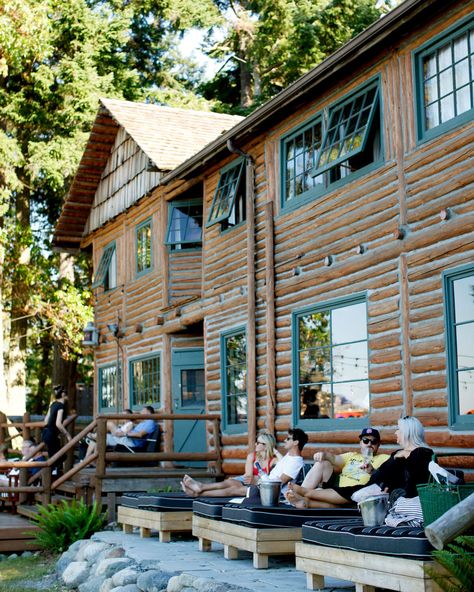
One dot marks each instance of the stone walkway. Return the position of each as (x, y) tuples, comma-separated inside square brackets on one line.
[(182, 555)]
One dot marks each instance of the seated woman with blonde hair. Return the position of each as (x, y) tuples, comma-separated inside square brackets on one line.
[(263, 458)]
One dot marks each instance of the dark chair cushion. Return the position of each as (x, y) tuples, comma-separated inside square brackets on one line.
[(131, 499), (210, 507), (400, 541), (281, 516), (162, 502)]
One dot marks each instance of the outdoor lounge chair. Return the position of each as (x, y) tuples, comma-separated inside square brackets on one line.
[(394, 558), (263, 531), (165, 512)]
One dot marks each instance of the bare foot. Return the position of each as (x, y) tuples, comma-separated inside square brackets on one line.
[(296, 500), (187, 490), (298, 489), (192, 484)]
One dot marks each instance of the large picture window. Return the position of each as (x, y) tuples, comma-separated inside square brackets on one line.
[(145, 381), (331, 361), (445, 81), (144, 247), (106, 274), (340, 141), (234, 378), (185, 225), (459, 303), (228, 205), (108, 388)]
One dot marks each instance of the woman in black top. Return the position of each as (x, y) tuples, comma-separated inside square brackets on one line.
[(407, 467), (54, 423)]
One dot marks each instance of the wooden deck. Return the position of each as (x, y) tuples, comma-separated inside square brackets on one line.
[(13, 533)]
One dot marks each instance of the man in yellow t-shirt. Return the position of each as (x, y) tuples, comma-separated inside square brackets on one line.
[(322, 488)]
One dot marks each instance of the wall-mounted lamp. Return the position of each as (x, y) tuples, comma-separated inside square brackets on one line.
[(91, 335)]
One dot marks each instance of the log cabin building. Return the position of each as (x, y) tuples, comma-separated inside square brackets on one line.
[(312, 265)]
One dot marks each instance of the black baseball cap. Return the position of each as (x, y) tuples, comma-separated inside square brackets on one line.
[(370, 432)]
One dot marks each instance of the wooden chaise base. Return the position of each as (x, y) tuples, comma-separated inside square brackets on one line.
[(164, 522), (262, 542), (367, 571)]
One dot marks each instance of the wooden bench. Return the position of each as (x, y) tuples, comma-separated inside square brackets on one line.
[(261, 542), (367, 571), (146, 520)]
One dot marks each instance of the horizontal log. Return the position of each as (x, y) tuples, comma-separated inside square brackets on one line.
[(427, 347), (386, 386), (158, 456), (431, 399), (386, 371), (428, 382), (428, 329), (385, 356), (433, 418), (426, 365), (452, 523), (382, 402)]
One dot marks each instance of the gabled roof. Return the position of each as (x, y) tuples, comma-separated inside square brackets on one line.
[(168, 136)]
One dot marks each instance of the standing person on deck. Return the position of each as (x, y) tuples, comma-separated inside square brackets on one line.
[(54, 423)]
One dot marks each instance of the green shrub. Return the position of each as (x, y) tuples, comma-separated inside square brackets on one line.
[(63, 524), (458, 560)]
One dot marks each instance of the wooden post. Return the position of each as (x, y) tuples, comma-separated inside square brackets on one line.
[(251, 324), (100, 464), (26, 428), (46, 482), (452, 523), (23, 482), (217, 444), (69, 462), (3, 424), (168, 396), (270, 316)]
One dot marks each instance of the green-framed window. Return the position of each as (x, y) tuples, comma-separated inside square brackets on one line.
[(234, 379), (228, 205), (106, 274), (143, 234), (107, 391), (145, 381), (330, 361), (342, 141), (459, 318), (184, 225), (444, 78)]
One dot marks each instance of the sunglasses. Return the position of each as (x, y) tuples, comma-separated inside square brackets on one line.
[(368, 441), (259, 442)]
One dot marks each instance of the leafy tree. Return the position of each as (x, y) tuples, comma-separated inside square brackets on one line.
[(271, 43)]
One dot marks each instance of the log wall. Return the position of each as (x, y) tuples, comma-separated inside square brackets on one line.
[(401, 272)]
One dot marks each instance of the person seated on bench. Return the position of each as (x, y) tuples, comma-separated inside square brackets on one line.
[(114, 431), (136, 439), (264, 458), (285, 469), (29, 452), (334, 478), (407, 467)]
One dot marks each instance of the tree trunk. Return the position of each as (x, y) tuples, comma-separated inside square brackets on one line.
[(65, 370)]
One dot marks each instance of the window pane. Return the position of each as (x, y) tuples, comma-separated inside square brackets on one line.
[(466, 392), (146, 381), (351, 399), (300, 154), (107, 381), (144, 247), (463, 290), (333, 362), (447, 80), (465, 345), (315, 365), (192, 388), (236, 378), (229, 183), (350, 362), (349, 323), (185, 226)]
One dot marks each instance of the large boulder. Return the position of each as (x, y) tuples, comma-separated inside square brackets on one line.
[(108, 567), (63, 562), (93, 584), (91, 551), (75, 573), (125, 576), (154, 580)]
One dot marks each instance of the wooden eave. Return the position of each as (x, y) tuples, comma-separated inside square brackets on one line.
[(387, 31), (75, 212)]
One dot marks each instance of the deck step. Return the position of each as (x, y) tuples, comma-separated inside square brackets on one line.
[(15, 533), (27, 511)]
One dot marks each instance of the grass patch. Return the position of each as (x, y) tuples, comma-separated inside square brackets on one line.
[(25, 574)]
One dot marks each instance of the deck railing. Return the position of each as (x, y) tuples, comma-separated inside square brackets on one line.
[(46, 485)]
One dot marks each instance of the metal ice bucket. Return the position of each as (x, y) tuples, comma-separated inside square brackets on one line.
[(269, 492), (374, 509)]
